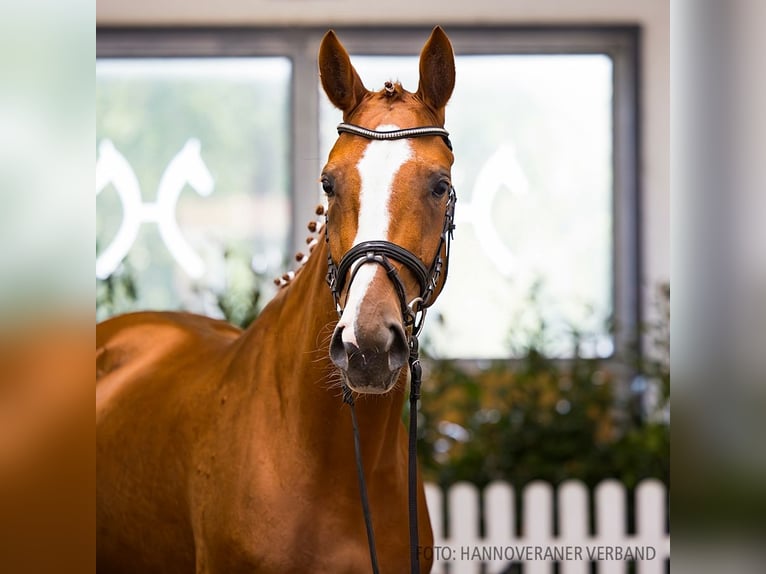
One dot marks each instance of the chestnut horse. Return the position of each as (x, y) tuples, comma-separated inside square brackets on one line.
[(225, 451)]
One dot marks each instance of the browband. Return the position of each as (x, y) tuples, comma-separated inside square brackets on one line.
[(396, 134)]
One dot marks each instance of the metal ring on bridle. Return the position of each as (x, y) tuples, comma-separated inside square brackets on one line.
[(417, 325)]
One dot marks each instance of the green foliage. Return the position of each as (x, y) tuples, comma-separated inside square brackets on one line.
[(550, 419), (116, 294), (239, 301)]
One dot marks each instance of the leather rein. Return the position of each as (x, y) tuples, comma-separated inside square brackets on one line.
[(413, 313)]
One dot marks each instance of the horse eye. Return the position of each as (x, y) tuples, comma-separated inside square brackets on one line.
[(441, 187), (327, 186)]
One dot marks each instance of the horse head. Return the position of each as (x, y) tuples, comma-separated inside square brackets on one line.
[(389, 216)]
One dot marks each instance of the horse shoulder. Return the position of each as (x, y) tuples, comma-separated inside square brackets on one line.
[(158, 377), (153, 359), (154, 336)]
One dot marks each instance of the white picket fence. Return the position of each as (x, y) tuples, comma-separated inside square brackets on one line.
[(461, 549)]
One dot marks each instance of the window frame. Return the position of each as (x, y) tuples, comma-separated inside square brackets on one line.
[(300, 44)]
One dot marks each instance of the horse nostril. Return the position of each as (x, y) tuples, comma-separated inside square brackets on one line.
[(398, 351), (389, 349), (338, 354)]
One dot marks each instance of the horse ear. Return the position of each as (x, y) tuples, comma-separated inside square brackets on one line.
[(437, 70), (340, 81)]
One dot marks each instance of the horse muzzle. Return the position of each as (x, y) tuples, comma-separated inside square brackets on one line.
[(371, 362)]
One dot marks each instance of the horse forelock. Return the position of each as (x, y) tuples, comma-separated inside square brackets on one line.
[(396, 106)]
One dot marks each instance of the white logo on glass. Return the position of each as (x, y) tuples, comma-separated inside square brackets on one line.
[(186, 167), (502, 169)]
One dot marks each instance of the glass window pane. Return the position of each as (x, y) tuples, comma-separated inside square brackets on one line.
[(192, 157), (533, 172)]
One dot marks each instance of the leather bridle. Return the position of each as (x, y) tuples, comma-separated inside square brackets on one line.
[(382, 253)]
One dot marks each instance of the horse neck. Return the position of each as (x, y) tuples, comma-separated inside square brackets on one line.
[(303, 389)]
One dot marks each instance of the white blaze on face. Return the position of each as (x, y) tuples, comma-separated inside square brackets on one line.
[(377, 169)]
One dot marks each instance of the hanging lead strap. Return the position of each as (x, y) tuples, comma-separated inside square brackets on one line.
[(415, 375), (412, 470), (349, 400)]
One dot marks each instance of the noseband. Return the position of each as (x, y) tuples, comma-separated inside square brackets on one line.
[(381, 253)]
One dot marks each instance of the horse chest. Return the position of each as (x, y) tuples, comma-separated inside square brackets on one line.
[(281, 525)]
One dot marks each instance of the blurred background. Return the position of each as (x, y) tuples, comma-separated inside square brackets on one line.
[(548, 351)]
